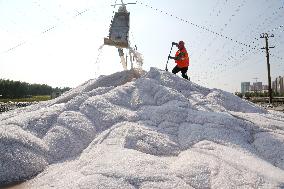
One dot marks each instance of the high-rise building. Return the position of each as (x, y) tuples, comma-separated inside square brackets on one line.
[(274, 86), (257, 86), (278, 85), (245, 87)]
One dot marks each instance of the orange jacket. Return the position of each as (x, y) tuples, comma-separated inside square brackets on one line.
[(184, 59)]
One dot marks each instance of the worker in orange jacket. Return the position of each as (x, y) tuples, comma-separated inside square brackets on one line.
[(182, 60)]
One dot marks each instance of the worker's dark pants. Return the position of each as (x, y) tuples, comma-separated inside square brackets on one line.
[(183, 71)]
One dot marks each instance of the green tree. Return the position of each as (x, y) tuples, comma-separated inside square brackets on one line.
[(18, 89)]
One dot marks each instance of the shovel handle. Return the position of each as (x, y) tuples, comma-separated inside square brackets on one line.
[(169, 58)]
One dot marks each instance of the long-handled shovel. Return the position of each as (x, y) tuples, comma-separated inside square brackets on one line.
[(169, 58)]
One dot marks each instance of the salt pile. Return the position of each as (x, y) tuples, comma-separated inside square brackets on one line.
[(143, 130)]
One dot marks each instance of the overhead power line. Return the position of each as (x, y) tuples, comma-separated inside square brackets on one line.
[(49, 29), (196, 25), (277, 28), (252, 47)]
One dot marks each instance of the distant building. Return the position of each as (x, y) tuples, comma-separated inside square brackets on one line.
[(257, 86), (264, 88), (278, 85), (245, 87), (274, 86), (251, 89)]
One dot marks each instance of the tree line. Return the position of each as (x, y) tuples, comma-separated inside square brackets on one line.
[(18, 89)]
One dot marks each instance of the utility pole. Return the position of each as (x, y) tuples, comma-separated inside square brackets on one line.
[(266, 36)]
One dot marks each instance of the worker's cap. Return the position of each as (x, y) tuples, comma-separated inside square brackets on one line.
[(181, 44)]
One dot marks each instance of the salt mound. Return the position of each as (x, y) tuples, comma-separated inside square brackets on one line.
[(143, 130)]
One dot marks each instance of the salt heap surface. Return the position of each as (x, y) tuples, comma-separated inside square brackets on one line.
[(143, 130)]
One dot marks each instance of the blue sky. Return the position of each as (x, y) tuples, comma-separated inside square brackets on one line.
[(46, 41)]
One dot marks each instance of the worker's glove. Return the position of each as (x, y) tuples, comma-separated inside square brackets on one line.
[(174, 43)]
